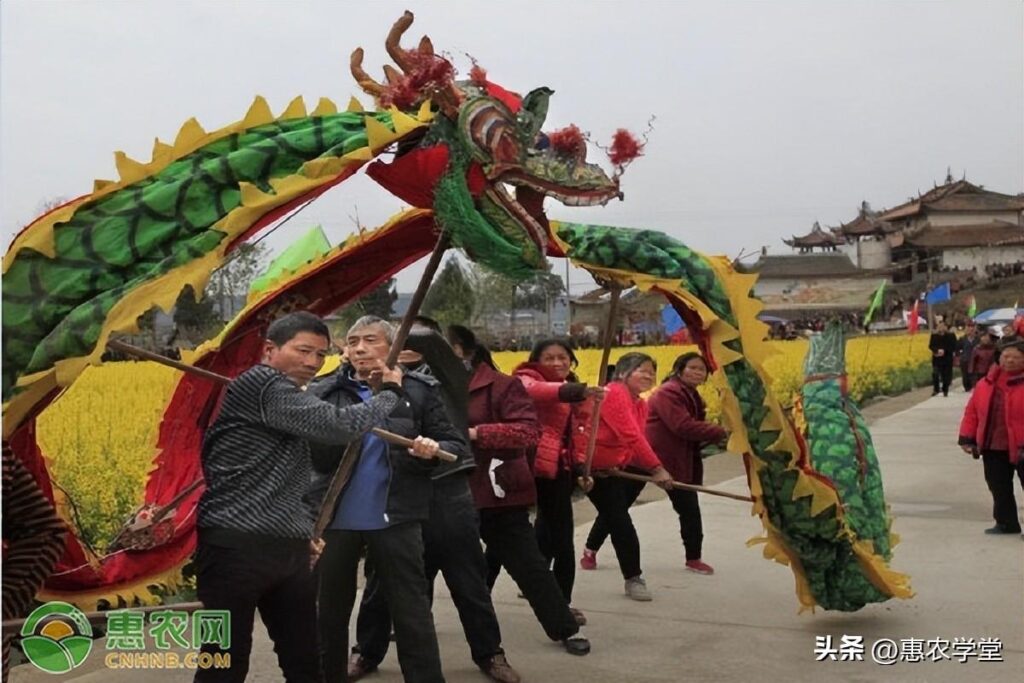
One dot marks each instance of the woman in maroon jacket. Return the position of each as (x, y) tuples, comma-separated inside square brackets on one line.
[(677, 430), (503, 428)]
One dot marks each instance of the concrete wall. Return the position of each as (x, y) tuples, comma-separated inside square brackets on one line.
[(820, 291), (979, 257), (973, 218), (872, 254)]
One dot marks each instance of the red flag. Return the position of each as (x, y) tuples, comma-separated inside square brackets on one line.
[(913, 322)]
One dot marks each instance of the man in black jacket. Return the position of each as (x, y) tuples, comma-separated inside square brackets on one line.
[(451, 534), (381, 509), (943, 347)]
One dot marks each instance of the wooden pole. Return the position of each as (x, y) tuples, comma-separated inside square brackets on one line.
[(606, 351), (351, 454), (679, 485)]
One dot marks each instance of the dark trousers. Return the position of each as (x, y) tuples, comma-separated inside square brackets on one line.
[(599, 531), (967, 378), (508, 533), (277, 581), (555, 528), (691, 527), (999, 473), (451, 540), (397, 555), (612, 498), (942, 377)]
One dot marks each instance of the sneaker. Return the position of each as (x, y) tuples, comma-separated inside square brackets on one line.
[(589, 559), (699, 567), (636, 589), (359, 666), (581, 619), (498, 669), (1002, 529), (577, 644)]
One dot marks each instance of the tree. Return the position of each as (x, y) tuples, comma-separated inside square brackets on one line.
[(380, 301), (195, 321), (539, 291), (451, 299), (230, 283), (500, 294)]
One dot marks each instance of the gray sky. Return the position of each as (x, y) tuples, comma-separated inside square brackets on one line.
[(770, 115)]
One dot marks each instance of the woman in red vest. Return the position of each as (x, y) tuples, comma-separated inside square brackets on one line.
[(558, 463), (993, 427)]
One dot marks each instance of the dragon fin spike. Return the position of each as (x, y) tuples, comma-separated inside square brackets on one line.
[(325, 107), (129, 169), (354, 105), (162, 152), (188, 137), (403, 122), (259, 113), (296, 109), (425, 114), (378, 135)]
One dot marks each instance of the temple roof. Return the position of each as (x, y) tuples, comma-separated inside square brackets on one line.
[(804, 265), (991, 234), (955, 195), (816, 238), (866, 223)]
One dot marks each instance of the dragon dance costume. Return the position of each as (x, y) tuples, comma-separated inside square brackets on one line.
[(86, 270)]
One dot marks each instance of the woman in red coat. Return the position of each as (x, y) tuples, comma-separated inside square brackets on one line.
[(503, 429), (558, 463), (677, 428), (993, 426), (621, 443)]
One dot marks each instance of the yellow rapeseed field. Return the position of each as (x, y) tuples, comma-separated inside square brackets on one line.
[(100, 434)]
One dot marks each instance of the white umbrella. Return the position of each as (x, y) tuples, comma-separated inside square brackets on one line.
[(998, 315)]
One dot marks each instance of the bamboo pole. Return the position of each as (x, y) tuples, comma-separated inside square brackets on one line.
[(606, 351), (390, 437), (677, 485)]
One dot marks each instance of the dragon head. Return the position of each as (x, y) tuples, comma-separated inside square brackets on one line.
[(484, 165)]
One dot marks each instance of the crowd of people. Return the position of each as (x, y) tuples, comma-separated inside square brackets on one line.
[(1001, 271), (511, 442)]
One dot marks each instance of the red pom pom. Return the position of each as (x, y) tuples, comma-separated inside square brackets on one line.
[(569, 141), (478, 75), (625, 147)]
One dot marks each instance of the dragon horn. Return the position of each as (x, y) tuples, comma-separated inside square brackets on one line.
[(392, 74), (369, 86), (394, 39), (426, 47)]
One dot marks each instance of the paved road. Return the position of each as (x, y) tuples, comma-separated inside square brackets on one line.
[(742, 623)]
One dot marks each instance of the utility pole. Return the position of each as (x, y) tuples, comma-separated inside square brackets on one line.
[(568, 302), (928, 288)]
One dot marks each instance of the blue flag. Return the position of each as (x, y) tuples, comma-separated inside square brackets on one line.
[(939, 294)]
